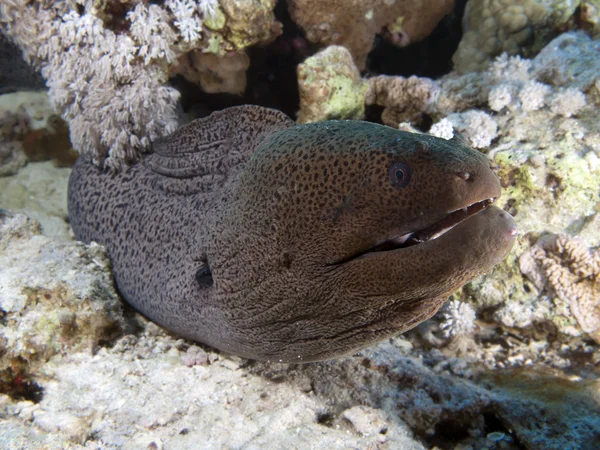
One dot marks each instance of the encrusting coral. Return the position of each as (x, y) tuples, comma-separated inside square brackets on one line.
[(573, 272), (330, 87), (107, 72), (354, 24)]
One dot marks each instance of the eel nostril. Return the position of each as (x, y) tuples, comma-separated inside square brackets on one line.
[(464, 175)]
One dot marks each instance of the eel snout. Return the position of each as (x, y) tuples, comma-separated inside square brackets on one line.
[(436, 230)]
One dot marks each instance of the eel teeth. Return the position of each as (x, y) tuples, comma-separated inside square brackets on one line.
[(434, 231)]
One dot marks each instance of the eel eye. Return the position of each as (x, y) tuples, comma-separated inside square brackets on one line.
[(400, 174)]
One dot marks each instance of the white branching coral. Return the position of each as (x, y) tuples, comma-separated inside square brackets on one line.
[(458, 319), (108, 87), (501, 96), (513, 86), (511, 68)]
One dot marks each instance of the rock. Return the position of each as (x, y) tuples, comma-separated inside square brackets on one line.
[(12, 158), (40, 189), (367, 421), (31, 131), (194, 356), (55, 297), (73, 428)]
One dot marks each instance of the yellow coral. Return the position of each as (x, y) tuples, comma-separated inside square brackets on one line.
[(330, 87)]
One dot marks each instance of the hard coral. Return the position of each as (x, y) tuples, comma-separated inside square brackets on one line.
[(476, 127), (573, 272), (330, 87), (107, 78), (493, 27), (354, 23), (405, 99), (226, 74), (458, 318)]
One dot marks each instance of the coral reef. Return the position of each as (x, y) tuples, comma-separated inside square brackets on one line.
[(573, 272), (561, 77), (145, 388), (59, 305), (12, 156), (330, 87), (569, 61), (510, 362), (106, 71), (493, 27), (354, 24), (20, 114), (478, 128)]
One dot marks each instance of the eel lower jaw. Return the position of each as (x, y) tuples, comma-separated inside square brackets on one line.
[(434, 231)]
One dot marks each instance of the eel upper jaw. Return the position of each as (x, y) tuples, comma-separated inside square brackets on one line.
[(431, 232)]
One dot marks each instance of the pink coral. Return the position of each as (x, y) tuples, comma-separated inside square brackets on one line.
[(573, 273)]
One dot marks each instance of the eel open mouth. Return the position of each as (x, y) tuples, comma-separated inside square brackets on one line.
[(434, 231)]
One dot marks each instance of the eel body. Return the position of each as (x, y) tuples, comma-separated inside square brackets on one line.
[(286, 242)]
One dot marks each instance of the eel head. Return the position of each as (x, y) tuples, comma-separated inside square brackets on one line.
[(345, 233)]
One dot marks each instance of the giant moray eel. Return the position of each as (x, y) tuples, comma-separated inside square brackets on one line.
[(272, 240)]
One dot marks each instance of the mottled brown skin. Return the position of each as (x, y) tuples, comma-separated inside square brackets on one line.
[(252, 234)]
